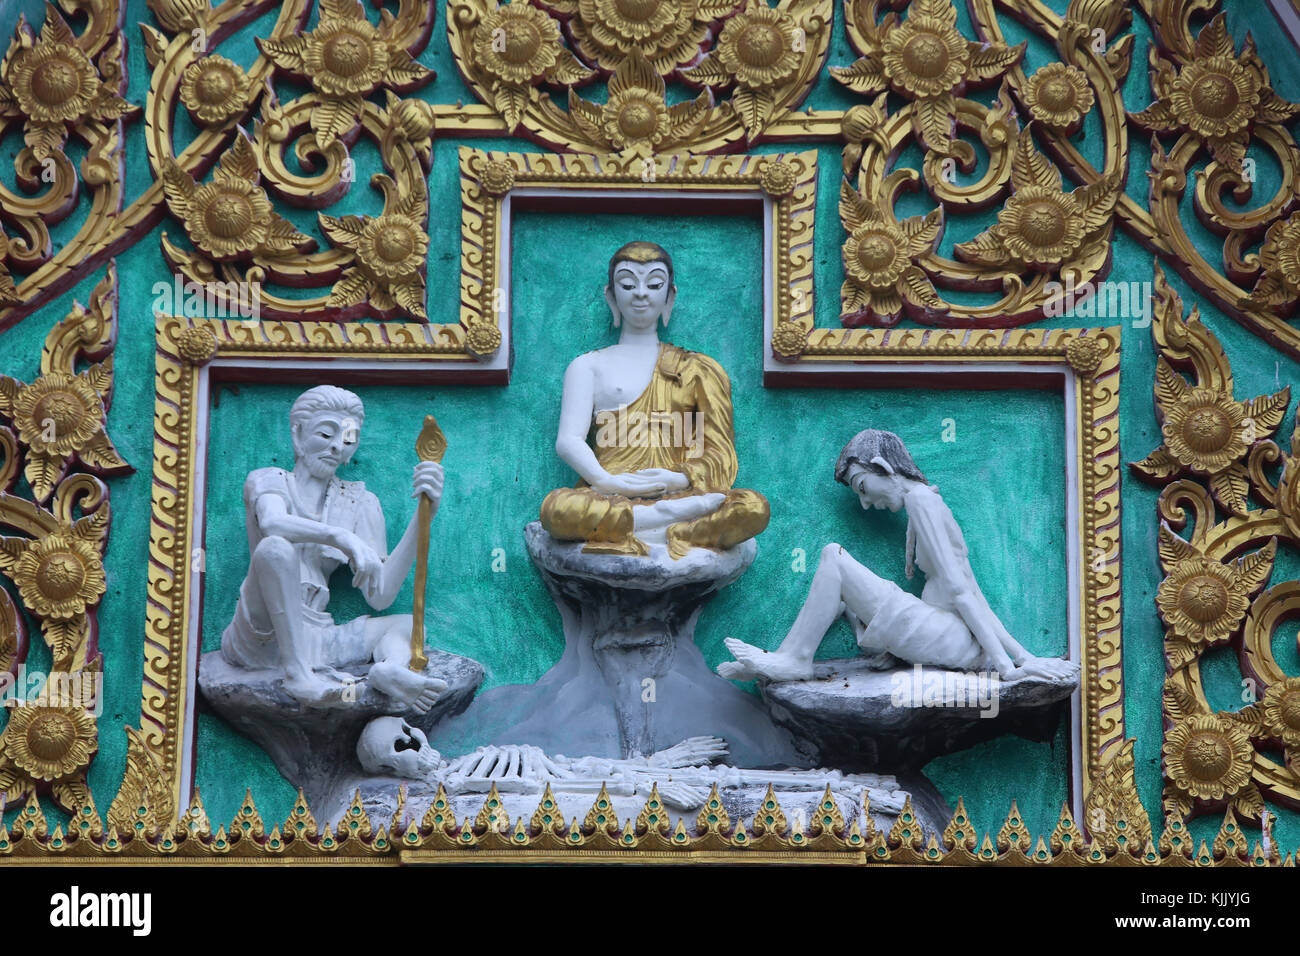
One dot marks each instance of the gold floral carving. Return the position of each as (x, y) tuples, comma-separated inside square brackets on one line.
[(345, 58), (1216, 95), (51, 82), (56, 561), (926, 60), (668, 33), (214, 90), (1215, 588), (1207, 433), (878, 261), (60, 416), (390, 253), (1042, 227), (637, 117), (764, 59), (57, 85), (230, 217), (1058, 96)]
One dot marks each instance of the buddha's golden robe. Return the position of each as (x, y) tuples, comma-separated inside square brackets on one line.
[(649, 433)]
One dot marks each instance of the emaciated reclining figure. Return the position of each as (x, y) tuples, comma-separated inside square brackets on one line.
[(949, 626)]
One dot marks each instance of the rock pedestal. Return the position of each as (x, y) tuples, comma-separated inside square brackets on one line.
[(859, 719), (631, 680), (315, 748)]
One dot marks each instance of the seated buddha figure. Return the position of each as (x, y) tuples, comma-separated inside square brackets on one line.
[(648, 428)]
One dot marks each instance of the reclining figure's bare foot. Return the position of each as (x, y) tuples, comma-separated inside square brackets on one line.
[(404, 685), (1045, 668), (752, 663)]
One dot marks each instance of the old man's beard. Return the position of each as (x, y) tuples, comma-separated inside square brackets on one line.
[(320, 468)]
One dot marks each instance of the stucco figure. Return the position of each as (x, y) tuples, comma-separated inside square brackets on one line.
[(949, 626), (662, 462), (304, 524), (682, 773)]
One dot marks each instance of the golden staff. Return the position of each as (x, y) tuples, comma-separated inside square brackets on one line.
[(430, 446)]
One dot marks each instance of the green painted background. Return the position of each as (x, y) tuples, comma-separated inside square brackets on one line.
[(1003, 476)]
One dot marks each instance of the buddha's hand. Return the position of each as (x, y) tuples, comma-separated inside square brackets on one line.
[(428, 482), (631, 485), (672, 480)]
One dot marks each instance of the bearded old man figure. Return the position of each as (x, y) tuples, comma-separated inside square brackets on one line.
[(304, 524)]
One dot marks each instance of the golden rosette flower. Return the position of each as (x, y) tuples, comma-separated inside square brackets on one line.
[(758, 50), (60, 417), (1041, 227), (1208, 433), (197, 345), (345, 58), (497, 177), (515, 47), (1203, 601), (345, 55), (1208, 758), (925, 56), (54, 85), (389, 254), (1085, 354), (58, 575), (392, 246), (517, 43), (667, 32), (878, 261), (926, 59), (1204, 431), (1058, 96), (636, 117), (49, 743), (778, 179), (214, 89), (483, 338), (57, 414), (230, 217), (1218, 95), (789, 339), (757, 46), (1281, 707), (1279, 259)]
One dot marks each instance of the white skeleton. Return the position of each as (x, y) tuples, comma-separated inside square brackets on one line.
[(683, 773)]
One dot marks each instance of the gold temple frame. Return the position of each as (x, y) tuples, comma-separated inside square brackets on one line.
[(191, 356), (494, 184), (1084, 365)]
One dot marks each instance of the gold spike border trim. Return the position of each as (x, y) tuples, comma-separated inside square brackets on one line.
[(438, 837)]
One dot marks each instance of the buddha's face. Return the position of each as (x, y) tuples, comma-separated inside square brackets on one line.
[(326, 442), (640, 293), (875, 490)]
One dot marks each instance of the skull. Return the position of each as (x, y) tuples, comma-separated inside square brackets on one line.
[(389, 746)]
